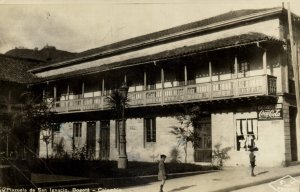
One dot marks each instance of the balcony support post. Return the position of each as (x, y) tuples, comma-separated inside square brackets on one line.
[(162, 84), (145, 87), (67, 97), (54, 96), (145, 80), (185, 75), (236, 67), (236, 72), (102, 93), (82, 95), (210, 79), (185, 83), (265, 62)]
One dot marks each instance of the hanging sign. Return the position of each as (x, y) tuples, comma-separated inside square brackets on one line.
[(269, 112)]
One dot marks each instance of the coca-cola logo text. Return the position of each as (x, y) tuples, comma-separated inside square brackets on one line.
[(270, 114)]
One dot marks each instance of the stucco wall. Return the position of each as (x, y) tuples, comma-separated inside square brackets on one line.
[(137, 150), (270, 141)]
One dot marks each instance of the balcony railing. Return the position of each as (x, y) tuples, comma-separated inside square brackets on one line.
[(233, 88)]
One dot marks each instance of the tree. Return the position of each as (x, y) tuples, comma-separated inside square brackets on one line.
[(220, 155), (115, 102), (118, 101), (27, 123), (188, 118), (183, 133)]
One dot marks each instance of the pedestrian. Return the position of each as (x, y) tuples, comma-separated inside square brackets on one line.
[(252, 160), (162, 171)]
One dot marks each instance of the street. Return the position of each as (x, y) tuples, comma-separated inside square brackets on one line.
[(230, 179), (260, 188)]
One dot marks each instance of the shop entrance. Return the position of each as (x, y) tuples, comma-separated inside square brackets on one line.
[(203, 145), (293, 113)]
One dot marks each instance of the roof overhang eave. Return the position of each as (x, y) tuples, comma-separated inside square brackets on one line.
[(157, 60), (181, 34)]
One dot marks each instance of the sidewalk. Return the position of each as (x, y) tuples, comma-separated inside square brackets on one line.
[(231, 178)]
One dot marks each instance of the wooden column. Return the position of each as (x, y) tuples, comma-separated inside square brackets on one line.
[(210, 71), (68, 91), (265, 62), (82, 89), (185, 75), (236, 70), (102, 93), (210, 78), (102, 88), (162, 85), (145, 80), (236, 73), (162, 77), (67, 98), (54, 96), (82, 95)]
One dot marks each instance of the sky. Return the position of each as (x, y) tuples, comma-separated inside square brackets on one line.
[(78, 25)]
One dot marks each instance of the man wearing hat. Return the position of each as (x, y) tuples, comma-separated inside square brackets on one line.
[(162, 171)]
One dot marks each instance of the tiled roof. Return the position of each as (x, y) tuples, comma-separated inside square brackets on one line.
[(15, 69), (160, 34), (219, 18), (186, 50)]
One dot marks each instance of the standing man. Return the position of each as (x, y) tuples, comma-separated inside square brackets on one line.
[(252, 160), (162, 172)]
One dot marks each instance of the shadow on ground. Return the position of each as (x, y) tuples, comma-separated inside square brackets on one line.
[(263, 172), (182, 188)]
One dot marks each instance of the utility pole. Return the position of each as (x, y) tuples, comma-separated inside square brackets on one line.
[(295, 67)]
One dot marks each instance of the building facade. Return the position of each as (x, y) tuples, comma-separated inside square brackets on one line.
[(236, 67)]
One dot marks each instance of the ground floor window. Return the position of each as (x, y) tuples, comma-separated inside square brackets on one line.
[(246, 134), (150, 129)]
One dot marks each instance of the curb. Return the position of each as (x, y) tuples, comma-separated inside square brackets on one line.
[(237, 187)]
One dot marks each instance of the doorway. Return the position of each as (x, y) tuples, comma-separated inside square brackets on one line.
[(203, 145), (91, 140), (104, 140), (293, 134)]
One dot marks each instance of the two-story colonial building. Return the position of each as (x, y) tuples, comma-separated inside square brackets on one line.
[(236, 66)]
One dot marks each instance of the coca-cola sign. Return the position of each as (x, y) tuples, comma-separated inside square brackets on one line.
[(269, 112)]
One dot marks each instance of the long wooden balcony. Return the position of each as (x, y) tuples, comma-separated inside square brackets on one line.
[(233, 88)]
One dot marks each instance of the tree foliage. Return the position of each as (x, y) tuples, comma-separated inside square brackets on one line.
[(115, 102), (220, 155), (183, 133), (25, 124)]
